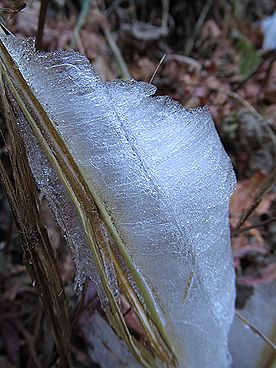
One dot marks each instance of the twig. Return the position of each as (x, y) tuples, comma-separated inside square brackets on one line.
[(115, 4), (265, 187), (256, 331), (41, 23), (254, 71), (247, 78), (186, 60), (31, 343), (250, 108), (255, 226), (197, 27), (79, 43), (83, 12), (158, 66), (116, 52), (165, 15), (4, 30), (123, 69), (16, 9)]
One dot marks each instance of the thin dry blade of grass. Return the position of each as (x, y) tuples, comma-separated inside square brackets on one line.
[(40, 259)]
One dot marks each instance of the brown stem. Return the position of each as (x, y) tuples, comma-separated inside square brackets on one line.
[(255, 226), (39, 256), (41, 23)]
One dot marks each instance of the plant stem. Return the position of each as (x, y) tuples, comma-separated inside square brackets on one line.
[(41, 23)]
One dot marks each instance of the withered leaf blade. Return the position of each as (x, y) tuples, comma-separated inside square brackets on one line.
[(40, 259)]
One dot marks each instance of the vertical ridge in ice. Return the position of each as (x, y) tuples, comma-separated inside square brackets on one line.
[(165, 179)]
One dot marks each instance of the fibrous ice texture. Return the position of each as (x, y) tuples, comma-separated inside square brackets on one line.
[(164, 177)]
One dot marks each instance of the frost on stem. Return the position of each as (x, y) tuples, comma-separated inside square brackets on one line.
[(165, 180)]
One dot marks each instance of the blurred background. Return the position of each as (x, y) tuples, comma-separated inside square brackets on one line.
[(218, 53)]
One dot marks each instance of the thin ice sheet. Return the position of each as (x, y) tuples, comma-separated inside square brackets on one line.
[(166, 180)]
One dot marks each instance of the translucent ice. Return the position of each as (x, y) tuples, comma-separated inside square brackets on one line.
[(105, 348), (62, 207), (247, 348), (165, 179)]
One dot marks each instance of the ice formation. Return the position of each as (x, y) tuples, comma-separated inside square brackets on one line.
[(249, 350), (165, 179)]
